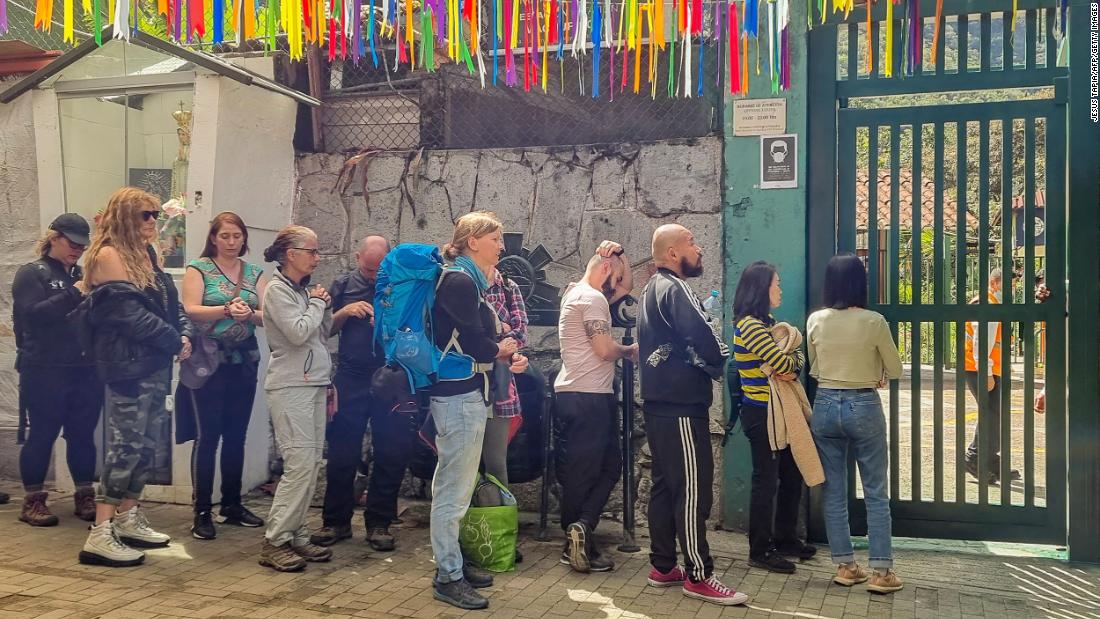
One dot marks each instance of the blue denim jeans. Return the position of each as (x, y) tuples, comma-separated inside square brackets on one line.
[(852, 419), (460, 423)]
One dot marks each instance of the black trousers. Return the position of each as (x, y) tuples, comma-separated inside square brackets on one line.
[(59, 398), (589, 460), (776, 488), (990, 445), (223, 407), (680, 501), (392, 436)]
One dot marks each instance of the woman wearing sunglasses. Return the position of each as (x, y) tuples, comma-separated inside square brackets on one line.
[(221, 294), (136, 325), (298, 319)]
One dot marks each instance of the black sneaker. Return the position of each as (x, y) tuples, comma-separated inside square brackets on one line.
[(239, 515), (4, 498), (577, 536), (329, 535), (477, 577), (773, 562), (203, 527), (797, 550), (599, 562), (459, 593)]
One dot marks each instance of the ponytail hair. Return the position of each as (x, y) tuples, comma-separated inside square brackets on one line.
[(472, 225), (289, 237)]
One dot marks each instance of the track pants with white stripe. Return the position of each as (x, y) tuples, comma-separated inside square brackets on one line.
[(680, 502)]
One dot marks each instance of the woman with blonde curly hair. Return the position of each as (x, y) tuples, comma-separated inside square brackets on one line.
[(460, 408), (136, 326)]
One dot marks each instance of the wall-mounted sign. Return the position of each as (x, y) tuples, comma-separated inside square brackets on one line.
[(779, 161), (759, 116)]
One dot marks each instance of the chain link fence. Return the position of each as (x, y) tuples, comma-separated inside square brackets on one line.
[(368, 107)]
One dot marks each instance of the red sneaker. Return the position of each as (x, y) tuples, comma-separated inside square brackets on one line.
[(673, 578), (712, 590)]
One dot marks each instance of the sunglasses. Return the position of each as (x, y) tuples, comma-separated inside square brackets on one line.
[(74, 246), (315, 252), (149, 215)]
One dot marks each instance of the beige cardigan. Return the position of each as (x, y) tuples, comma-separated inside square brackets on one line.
[(789, 412)]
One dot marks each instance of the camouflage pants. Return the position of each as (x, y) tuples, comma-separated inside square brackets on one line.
[(138, 441)]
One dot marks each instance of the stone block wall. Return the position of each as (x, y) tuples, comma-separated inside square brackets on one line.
[(566, 198)]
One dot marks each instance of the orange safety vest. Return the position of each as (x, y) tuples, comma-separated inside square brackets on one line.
[(972, 343)]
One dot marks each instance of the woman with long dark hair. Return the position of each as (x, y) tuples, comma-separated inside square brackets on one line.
[(222, 295), (776, 480), (852, 354), (137, 326)]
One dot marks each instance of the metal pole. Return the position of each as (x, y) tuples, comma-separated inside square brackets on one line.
[(621, 318), (547, 453)]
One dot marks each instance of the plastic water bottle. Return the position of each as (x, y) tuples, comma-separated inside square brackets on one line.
[(711, 304)]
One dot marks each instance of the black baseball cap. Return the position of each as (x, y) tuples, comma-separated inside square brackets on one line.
[(74, 227)]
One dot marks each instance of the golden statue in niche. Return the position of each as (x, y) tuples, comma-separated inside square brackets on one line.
[(183, 119)]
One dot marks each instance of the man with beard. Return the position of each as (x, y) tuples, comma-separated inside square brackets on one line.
[(588, 446), (391, 433), (682, 353)]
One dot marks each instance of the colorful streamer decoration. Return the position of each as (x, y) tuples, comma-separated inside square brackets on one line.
[(640, 45)]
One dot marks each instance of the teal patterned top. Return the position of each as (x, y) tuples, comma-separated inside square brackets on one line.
[(217, 290)]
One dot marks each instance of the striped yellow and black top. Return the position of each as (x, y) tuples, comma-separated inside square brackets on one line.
[(753, 346)]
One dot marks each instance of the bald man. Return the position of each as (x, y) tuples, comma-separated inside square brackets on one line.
[(681, 354), (391, 435)]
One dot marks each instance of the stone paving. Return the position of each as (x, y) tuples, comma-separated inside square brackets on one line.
[(40, 577)]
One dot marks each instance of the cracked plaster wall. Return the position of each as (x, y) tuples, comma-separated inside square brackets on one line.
[(566, 198)]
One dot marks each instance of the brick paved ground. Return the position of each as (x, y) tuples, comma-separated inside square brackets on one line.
[(40, 577)]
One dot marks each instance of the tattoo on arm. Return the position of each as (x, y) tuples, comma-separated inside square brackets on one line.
[(592, 328)]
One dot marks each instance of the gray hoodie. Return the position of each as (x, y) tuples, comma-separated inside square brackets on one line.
[(297, 328)]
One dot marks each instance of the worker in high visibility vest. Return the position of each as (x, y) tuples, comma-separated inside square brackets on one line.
[(991, 408)]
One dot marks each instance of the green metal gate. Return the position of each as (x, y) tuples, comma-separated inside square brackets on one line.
[(943, 176)]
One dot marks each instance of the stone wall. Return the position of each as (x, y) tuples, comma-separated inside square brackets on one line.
[(19, 212), (565, 198)]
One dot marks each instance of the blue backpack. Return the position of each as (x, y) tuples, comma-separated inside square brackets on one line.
[(404, 296)]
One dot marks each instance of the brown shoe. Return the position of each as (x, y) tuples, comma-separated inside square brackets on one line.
[(885, 582), (280, 558), (84, 504), (848, 574), (312, 552), (35, 512)]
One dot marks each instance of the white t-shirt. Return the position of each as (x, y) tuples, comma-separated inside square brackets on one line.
[(582, 371)]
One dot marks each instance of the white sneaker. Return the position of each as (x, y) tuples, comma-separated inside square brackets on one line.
[(104, 548), (132, 528)]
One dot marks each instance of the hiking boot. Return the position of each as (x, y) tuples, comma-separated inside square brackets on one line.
[(672, 578), (884, 582), (132, 528), (712, 590), (773, 562), (203, 527), (459, 593), (797, 550), (848, 574), (239, 515), (4, 498), (35, 512), (329, 535), (280, 558), (84, 504), (104, 548), (577, 534), (477, 577), (380, 539), (970, 463), (312, 552)]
